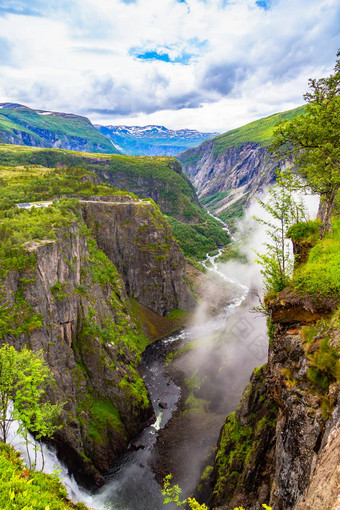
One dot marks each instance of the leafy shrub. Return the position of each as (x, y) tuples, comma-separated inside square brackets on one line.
[(25, 489), (303, 230)]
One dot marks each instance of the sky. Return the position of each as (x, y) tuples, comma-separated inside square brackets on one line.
[(210, 65)]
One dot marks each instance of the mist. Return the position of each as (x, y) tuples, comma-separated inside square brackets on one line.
[(229, 340)]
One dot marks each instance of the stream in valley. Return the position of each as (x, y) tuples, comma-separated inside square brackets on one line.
[(131, 483), (227, 334)]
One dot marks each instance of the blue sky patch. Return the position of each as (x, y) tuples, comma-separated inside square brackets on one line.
[(152, 55), (263, 4)]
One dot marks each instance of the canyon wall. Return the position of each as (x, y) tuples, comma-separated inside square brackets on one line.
[(280, 447), (70, 299)]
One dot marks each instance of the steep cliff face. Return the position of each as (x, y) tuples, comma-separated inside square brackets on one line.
[(283, 462), (230, 169), (229, 180), (137, 239), (67, 298)]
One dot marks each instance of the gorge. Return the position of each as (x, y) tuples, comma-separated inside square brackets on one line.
[(98, 275)]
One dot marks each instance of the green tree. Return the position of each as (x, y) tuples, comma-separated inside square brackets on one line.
[(24, 377), (173, 492), (277, 261), (312, 143)]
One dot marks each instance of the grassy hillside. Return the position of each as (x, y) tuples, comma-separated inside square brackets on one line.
[(260, 132), (30, 174), (22, 125)]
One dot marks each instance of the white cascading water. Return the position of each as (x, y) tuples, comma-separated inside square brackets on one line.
[(103, 499), (52, 465)]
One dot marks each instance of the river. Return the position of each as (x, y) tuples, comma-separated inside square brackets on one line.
[(131, 483)]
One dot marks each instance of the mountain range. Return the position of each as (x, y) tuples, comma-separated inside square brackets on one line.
[(41, 128), (153, 140)]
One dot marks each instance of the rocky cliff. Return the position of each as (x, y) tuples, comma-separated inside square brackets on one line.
[(138, 240), (229, 180), (279, 446), (66, 297), (230, 169)]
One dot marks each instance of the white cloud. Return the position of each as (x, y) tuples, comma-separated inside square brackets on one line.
[(246, 62)]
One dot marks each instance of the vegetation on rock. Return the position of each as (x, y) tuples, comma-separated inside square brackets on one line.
[(25, 489)]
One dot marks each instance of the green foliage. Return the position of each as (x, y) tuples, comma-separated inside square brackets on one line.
[(303, 230), (234, 212), (312, 141), (324, 366), (196, 240), (233, 252), (172, 494), (103, 416), (277, 261), (26, 489), (320, 275), (211, 200), (24, 377), (270, 330)]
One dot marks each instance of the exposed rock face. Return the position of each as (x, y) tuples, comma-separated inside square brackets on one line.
[(137, 239), (83, 324), (242, 473), (239, 173), (289, 307), (299, 453), (323, 490)]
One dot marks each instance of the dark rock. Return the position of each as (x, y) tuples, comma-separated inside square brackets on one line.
[(163, 405)]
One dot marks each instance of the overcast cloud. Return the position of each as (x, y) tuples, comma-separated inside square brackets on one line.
[(205, 64)]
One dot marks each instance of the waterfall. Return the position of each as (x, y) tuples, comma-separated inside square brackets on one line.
[(52, 465)]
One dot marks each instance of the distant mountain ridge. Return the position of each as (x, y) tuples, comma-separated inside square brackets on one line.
[(21, 125), (229, 170), (42, 128), (153, 140)]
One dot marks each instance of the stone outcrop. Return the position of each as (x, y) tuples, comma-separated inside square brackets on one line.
[(233, 177), (69, 300), (137, 239), (294, 464)]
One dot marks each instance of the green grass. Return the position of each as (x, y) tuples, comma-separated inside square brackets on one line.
[(25, 489), (29, 174), (304, 230), (212, 200), (103, 416), (234, 212), (196, 240), (260, 132), (320, 274), (43, 128)]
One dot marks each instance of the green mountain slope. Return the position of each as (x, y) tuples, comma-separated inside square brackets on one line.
[(228, 170), (260, 131), (25, 126), (159, 178)]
